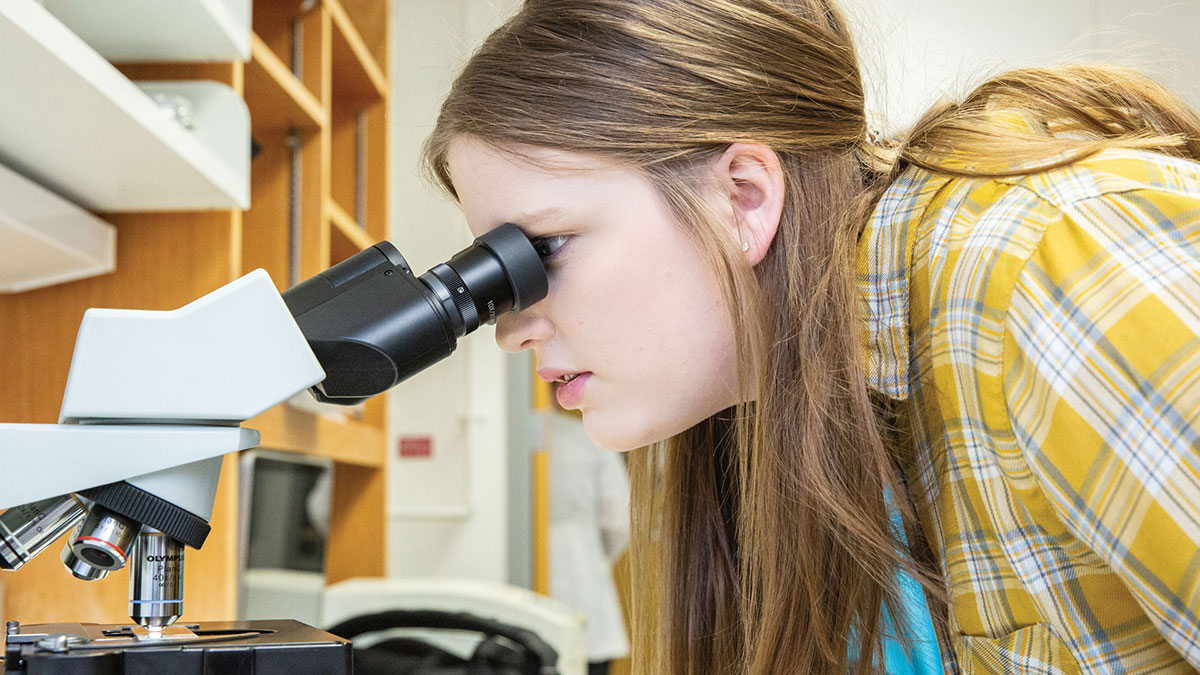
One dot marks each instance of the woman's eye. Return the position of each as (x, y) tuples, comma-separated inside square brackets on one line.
[(546, 247)]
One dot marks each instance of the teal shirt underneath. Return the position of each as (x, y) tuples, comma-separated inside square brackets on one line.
[(921, 656)]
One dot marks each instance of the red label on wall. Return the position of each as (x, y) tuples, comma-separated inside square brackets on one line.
[(416, 446)]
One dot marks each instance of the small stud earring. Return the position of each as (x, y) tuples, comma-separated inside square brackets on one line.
[(745, 246)]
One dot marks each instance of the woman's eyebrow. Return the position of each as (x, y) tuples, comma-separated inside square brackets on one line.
[(534, 219)]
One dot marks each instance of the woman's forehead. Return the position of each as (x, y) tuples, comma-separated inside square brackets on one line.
[(534, 183), (467, 151)]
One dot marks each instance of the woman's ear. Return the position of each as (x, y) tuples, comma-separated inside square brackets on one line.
[(750, 181)]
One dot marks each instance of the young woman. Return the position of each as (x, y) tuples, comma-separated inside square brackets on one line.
[(993, 331)]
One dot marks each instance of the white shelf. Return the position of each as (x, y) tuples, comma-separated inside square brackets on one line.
[(71, 122), (126, 31), (46, 240)]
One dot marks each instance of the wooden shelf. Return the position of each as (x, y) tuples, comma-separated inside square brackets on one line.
[(85, 131), (46, 240), (129, 31), (356, 75), (370, 18), (345, 225), (277, 99), (290, 430), (358, 182), (346, 236)]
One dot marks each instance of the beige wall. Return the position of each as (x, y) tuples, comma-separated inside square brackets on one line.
[(448, 515)]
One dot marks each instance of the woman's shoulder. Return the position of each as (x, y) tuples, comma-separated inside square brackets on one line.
[(937, 241), (970, 240), (1109, 172), (1127, 193), (930, 195)]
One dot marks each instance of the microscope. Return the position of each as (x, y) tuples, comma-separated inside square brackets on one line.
[(155, 399)]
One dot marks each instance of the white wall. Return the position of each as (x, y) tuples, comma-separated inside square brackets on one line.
[(917, 51), (447, 515)]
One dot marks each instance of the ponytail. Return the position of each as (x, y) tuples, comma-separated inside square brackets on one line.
[(1035, 119)]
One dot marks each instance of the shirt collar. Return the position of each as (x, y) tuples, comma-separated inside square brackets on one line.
[(884, 263)]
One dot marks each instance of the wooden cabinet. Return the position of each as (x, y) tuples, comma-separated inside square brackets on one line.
[(317, 89)]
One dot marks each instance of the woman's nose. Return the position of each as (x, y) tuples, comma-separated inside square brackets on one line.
[(521, 331)]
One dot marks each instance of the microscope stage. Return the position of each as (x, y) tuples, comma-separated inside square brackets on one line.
[(282, 647)]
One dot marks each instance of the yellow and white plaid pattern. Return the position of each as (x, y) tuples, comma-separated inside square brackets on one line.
[(1045, 333)]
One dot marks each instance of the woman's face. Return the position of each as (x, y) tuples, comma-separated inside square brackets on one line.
[(634, 318)]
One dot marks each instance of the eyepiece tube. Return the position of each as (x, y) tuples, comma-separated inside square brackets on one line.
[(372, 324), (27, 530)]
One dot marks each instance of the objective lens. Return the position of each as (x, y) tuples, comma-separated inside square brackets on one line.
[(371, 323), (104, 538), (98, 557), (27, 530), (78, 568), (156, 580)]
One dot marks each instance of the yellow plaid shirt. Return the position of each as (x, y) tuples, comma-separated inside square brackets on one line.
[(1045, 333)]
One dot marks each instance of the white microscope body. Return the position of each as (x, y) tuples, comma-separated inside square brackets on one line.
[(153, 400)]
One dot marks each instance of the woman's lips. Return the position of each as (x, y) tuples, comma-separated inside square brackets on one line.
[(570, 393), (553, 375)]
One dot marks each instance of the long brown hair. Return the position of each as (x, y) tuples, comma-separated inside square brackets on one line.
[(764, 540)]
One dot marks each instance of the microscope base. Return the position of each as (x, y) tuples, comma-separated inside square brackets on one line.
[(282, 647)]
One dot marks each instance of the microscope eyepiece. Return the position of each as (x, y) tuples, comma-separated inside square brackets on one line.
[(371, 323), (500, 272)]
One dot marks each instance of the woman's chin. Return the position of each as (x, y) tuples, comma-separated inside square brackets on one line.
[(612, 442), (622, 433)]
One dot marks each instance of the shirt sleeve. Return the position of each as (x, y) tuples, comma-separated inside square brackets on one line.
[(1102, 380)]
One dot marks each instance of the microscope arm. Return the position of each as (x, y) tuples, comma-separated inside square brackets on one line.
[(60, 459)]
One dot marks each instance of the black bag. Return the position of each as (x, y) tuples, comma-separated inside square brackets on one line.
[(505, 649)]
